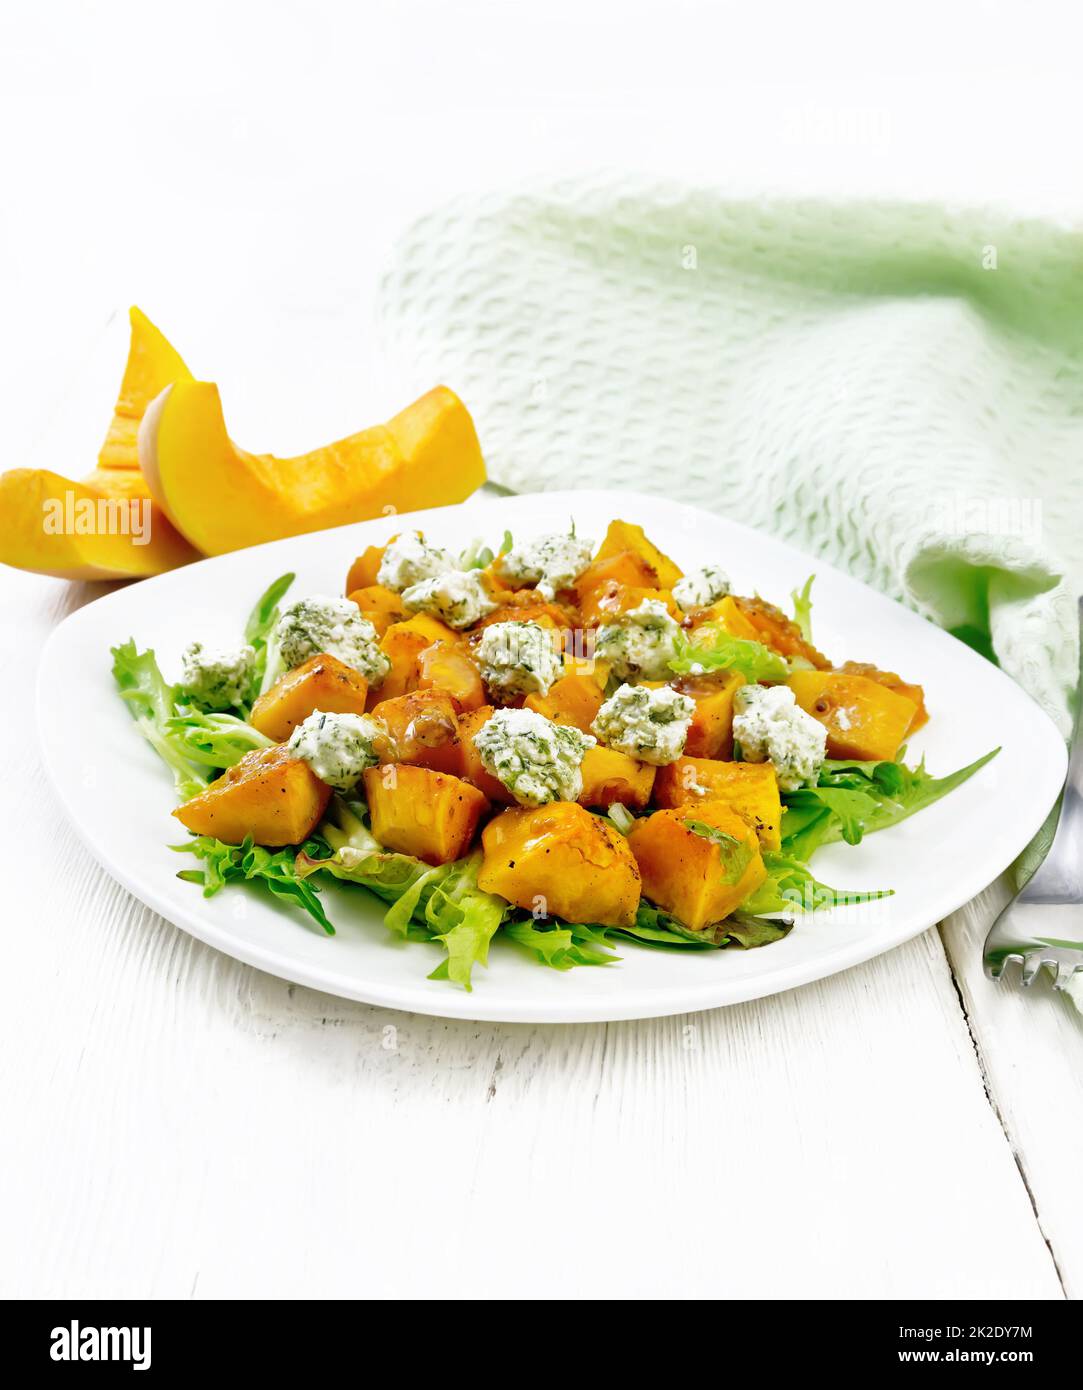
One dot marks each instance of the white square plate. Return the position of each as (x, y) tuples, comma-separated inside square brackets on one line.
[(118, 796)]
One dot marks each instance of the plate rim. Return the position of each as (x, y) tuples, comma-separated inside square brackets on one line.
[(415, 997)]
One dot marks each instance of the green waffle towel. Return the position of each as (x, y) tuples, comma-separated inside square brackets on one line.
[(897, 388)]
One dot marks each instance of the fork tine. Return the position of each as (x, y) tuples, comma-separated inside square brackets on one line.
[(1065, 971), (1032, 963)]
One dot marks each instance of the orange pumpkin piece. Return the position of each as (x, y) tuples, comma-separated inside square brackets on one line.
[(864, 719), (710, 734), (750, 789), (365, 568), (320, 683), (624, 536), (573, 699), (417, 811), (381, 606), (624, 568), (524, 606), (611, 599), (403, 643), (470, 764), (610, 777), (775, 630), (444, 667), (270, 795), (559, 860), (906, 689), (727, 615), (422, 728), (696, 879)]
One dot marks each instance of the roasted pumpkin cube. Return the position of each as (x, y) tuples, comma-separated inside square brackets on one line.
[(572, 699), (605, 603), (559, 860), (403, 643), (750, 789), (610, 777), (624, 568), (470, 765), (728, 616), (417, 811), (269, 795), (448, 668), (365, 568), (710, 734), (700, 880), (907, 689), (774, 629), (381, 606), (624, 536), (864, 719), (423, 728), (524, 606), (320, 683)]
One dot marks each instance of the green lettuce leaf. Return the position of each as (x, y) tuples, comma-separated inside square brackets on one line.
[(151, 700), (443, 905), (802, 608), (214, 740), (561, 945), (853, 799), (715, 650), (791, 886), (734, 853), (247, 862), (258, 632)]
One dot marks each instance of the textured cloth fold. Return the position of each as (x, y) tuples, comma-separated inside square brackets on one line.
[(897, 388)]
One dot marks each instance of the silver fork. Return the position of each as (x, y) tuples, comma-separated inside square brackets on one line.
[(1043, 925)]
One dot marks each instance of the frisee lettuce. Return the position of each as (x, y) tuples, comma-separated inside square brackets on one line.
[(151, 701), (441, 904), (716, 650), (247, 862), (802, 608), (214, 740), (259, 632)]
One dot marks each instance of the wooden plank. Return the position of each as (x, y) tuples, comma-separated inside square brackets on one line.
[(1031, 1047)]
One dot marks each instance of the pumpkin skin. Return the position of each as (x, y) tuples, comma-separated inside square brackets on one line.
[(610, 777), (749, 789), (270, 795), (417, 811), (683, 872), (864, 719), (320, 683), (220, 497), (561, 860)]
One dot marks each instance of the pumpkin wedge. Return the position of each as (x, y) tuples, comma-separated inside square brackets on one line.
[(222, 498), (107, 526)]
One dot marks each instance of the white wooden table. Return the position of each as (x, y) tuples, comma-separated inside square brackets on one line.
[(176, 1124)]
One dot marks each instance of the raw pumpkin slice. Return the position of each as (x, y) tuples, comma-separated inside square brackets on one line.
[(105, 527), (223, 498)]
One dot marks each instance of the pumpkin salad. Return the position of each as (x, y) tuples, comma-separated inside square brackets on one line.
[(567, 744)]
